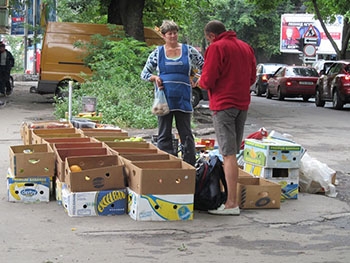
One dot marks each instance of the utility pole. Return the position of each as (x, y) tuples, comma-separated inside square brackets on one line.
[(25, 22), (35, 7)]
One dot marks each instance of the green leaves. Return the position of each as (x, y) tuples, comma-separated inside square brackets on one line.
[(122, 97)]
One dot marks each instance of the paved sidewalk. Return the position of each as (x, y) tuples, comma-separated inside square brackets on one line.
[(314, 228)]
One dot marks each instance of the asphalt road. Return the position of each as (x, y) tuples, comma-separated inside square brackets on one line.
[(314, 228)]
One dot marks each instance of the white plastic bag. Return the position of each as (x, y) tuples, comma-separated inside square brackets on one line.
[(160, 105), (315, 176)]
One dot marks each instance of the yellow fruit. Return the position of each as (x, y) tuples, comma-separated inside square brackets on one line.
[(75, 168)]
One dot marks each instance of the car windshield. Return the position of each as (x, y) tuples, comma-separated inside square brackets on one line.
[(270, 69), (306, 72), (326, 66)]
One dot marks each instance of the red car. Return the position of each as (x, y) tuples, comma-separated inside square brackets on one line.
[(334, 85), (292, 81)]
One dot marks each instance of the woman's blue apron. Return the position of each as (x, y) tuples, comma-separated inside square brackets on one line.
[(175, 77)]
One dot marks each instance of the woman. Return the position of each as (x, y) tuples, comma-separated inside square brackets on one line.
[(172, 63)]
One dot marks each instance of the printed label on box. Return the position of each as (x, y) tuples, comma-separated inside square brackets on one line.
[(96, 203), (272, 153), (28, 190), (160, 207)]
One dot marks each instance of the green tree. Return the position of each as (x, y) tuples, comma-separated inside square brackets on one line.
[(325, 11)]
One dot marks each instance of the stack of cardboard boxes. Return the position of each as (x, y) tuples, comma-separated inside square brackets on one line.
[(97, 172), (31, 173), (276, 160)]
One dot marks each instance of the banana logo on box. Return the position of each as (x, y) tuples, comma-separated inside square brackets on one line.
[(254, 157), (170, 210), (14, 190)]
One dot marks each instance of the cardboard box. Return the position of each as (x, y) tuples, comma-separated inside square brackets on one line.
[(98, 203), (62, 154), (59, 186), (40, 134), (110, 138), (272, 153), (52, 141), (271, 173), (258, 193), (161, 177), (32, 160), (289, 188), (27, 189), (27, 127), (288, 178), (122, 148), (92, 132), (98, 173), (126, 157), (78, 145), (160, 207)]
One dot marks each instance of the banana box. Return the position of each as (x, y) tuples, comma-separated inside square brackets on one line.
[(32, 160), (258, 193), (289, 188), (271, 173), (38, 135), (170, 207), (162, 177), (27, 127), (62, 154), (93, 173), (53, 141), (97, 203), (288, 178), (93, 132), (272, 153), (59, 186), (28, 189)]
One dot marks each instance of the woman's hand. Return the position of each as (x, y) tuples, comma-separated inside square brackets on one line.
[(158, 81)]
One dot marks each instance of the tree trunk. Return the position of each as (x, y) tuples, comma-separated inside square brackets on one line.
[(128, 13)]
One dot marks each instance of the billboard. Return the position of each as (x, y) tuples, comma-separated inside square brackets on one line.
[(294, 26)]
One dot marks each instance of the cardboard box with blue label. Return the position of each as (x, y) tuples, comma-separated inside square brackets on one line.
[(97, 203), (28, 189), (272, 153), (168, 207), (288, 178)]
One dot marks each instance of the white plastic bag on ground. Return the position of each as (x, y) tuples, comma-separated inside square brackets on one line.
[(315, 176)]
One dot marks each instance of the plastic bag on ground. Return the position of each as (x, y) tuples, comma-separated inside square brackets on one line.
[(315, 177)]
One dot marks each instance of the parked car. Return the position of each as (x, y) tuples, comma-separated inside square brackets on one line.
[(263, 72), (198, 94), (334, 85), (322, 65), (293, 81)]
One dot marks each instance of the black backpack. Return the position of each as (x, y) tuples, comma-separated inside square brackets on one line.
[(208, 193)]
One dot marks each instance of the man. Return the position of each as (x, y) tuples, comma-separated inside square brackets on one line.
[(6, 64), (228, 72), (290, 41)]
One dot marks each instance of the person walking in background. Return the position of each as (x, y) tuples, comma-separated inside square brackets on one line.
[(169, 68), (228, 72), (6, 64)]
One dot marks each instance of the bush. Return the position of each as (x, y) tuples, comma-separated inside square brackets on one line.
[(122, 97)]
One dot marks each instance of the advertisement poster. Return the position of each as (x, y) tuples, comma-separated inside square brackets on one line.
[(295, 26)]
